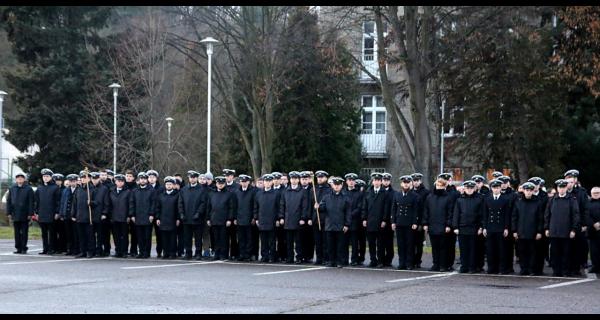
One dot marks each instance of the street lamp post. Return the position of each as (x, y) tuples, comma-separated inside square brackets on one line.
[(2, 94), (115, 87), (169, 123), (209, 41), (442, 139)]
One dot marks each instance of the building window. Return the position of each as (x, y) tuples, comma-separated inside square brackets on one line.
[(454, 121), (373, 134), (369, 53)]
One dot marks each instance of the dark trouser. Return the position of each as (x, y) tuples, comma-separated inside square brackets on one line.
[(419, 238), (280, 235), (579, 252), (220, 243), (133, 244), (439, 250), (87, 239), (120, 237), (195, 231), (72, 237), (495, 248), (267, 245), (60, 238), (362, 243), (244, 235), (480, 251), (526, 254), (254, 235), (159, 242), (47, 236), (541, 248), (144, 237), (467, 244), (169, 238), (180, 243), (321, 248), (388, 244), (450, 249), (211, 236), (595, 251), (509, 252), (560, 255), (405, 242), (232, 241), (336, 241), (293, 237), (308, 241), (355, 246), (21, 235), (104, 237), (376, 252)]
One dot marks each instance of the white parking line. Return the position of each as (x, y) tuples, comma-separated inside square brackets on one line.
[(170, 265), (568, 283), (289, 271), (423, 277), (49, 261)]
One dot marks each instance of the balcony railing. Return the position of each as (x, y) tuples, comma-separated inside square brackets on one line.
[(373, 145)]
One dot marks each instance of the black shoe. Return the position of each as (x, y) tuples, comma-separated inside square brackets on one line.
[(165, 257), (159, 255), (401, 268), (17, 252), (330, 265), (473, 271), (271, 260), (340, 266), (89, 256), (372, 264), (188, 257), (409, 268), (463, 270), (492, 272), (418, 266), (524, 273), (43, 252), (353, 263), (298, 261), (289, 261), (380, 266), (139, 256), (81, 255), (594, 270), (434, 268), (556, 274)]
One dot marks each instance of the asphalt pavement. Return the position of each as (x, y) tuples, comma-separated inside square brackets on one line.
[(35, 283)]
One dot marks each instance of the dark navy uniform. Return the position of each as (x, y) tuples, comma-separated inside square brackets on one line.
[(404, 215), (496, 219), (20, 207)]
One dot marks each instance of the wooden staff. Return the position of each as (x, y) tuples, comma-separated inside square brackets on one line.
[(312, 180), (88, 194)]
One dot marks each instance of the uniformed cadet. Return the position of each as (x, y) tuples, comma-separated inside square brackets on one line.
[(527, 226), (497, 174), (19, 209), (133, 243), (453, 194), (293, 213), (220, 209), (285, 181), (437, 219), (266, 212), (244, 216), (593, 216), (543, 244), (47, 204), (361, 185), (107, 178), (167, 218), (388, 233), (357, 242), (337, 215), (580, 252), (158, 189), (307, 234), (482, 190), (320, 235), (467, 224), (254, 232), (80, 213), (404, 218), (561, 222), (232, 240), (118, 210), (511, 244), (375, 216), (142, 212), (496, 226), (281, 253), (103, 229), (192, 210), (66, 201), (419, 234), (178, 185), (60, 239)]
